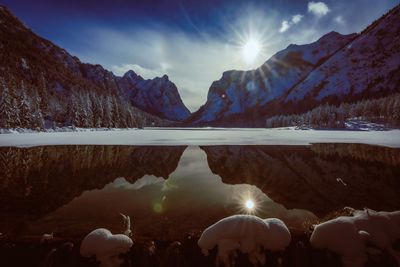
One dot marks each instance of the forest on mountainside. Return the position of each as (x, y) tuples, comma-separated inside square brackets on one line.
[(385, 110), (25, 106)]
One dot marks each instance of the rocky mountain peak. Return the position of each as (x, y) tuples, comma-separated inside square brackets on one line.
[(158, 96)]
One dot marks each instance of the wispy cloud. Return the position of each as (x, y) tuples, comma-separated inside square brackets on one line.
[(339, 20), (297, 18), (319, 9), (285, 25)]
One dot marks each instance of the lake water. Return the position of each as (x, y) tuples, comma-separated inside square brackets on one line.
[(170, 191)]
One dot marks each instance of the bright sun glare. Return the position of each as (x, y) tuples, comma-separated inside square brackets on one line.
[(249, 204), (250, 50)]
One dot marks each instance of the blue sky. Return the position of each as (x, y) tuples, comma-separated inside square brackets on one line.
[(192, 42)]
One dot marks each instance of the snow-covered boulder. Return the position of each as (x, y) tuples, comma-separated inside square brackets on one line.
[(341, 236), (245, 233), (105, 246), (382, 227), (351, 236)]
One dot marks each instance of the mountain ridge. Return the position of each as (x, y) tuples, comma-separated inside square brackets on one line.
[(37, 71)]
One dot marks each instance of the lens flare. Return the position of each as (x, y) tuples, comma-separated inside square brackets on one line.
[(247, 200)]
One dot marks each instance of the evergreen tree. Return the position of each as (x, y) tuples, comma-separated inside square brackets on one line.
[(329, 116), (82, 111), (16, 122), (7, 111), (396, 110), (37, 116), (89, 110), (116, 115), (97, 111), (108, 112), (43, 93), (25, 112)]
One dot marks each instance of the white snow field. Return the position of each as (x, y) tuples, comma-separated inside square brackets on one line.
[(202, 137)]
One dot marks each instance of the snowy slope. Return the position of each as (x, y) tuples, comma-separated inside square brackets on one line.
[(237, 91), (369, 64), (158, 96)]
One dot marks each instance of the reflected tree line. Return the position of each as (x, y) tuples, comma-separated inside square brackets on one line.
[(385, 155), (40, 179), (319, 178)]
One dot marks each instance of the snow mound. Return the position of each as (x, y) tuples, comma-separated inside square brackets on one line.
[(105, 246), (245, 233), (353, 237)]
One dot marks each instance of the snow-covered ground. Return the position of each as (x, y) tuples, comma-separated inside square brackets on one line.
[(202, 136), (362, 125)]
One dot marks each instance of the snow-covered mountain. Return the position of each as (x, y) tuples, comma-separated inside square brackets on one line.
[(368, 64), (334, 68), (237, 91), (42, 85), (158, 96)]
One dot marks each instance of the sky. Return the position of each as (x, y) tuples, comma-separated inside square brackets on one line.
[(193, 42)]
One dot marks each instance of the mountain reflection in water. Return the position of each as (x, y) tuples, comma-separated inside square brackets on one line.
[(169, 191)]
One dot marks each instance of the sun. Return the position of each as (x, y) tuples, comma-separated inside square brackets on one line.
[(251, 50)]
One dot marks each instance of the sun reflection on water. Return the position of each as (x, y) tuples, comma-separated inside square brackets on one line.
[(249, 204)]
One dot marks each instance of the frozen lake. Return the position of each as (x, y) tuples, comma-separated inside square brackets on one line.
[(202, 137)]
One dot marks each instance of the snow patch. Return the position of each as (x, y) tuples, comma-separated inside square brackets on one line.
[(362, 125), (24, 63), (105, 246), (350, 237)]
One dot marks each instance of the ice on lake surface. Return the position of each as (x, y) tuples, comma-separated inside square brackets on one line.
[(202, 137), (169, 191)]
